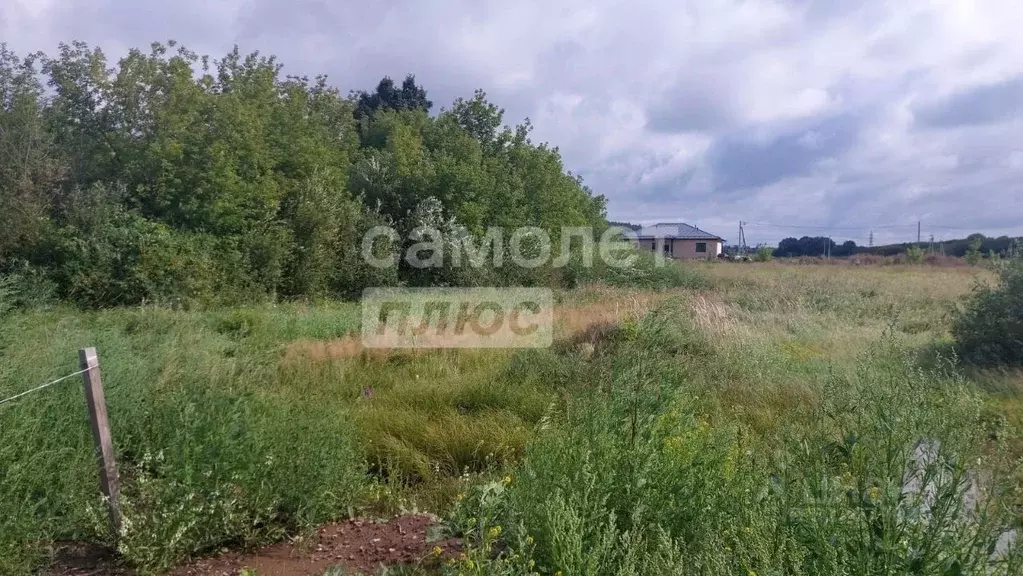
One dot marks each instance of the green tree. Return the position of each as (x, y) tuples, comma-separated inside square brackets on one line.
[(387, 96), (973, 254), (31, 166), (171, 176), (914, 254)]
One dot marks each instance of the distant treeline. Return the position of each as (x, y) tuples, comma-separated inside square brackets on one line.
[(169, 176), (1002, 245), (633, 227), (821, 245)]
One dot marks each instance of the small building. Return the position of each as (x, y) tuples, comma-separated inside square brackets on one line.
[(679, 241)]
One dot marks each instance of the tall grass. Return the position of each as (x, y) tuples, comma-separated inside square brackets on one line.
[(890, 473), (766, 421), (210, 452)]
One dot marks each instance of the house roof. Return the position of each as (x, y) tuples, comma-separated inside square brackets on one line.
[(676, 231)]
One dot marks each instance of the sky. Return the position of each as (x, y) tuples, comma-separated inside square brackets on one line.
[(800, 117)]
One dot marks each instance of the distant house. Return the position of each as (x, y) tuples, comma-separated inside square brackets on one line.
[(678, 240)]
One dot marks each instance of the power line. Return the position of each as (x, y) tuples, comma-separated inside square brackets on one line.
[(47, 385), (767, 224), (973, 228)]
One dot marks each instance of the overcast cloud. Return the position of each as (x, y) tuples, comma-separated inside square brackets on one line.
[(846, 115)]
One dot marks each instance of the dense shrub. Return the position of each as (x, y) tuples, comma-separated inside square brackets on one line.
[(247, 185), (989, 328), (764, 254)]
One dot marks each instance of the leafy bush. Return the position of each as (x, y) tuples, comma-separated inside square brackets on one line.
[(764, 254), (989, 329), (914, 255), (234, 470), (26, 288)]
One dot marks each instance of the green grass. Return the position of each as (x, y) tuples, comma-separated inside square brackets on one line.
[(229, 433), (214, 445), (657, 446), (670, 464)]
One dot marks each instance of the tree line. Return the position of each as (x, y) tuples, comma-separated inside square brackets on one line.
[(171, 176), (974, 244)]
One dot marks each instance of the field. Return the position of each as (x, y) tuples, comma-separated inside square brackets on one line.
[(766, 419)]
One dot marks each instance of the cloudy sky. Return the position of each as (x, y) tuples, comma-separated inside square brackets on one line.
[(798, 116)]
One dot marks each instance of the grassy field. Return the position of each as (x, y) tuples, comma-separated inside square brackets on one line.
[(767, 423)]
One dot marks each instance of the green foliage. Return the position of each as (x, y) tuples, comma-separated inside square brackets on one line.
[(709, 437), (7, 295), (637, 479), (973, 254), (30, 168), (644, 270), (914, 255), (215, 445), (171, 177), (814, 246), (989, 328), (764, 254)]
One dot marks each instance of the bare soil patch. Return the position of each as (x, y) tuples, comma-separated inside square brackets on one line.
[(357, 545)]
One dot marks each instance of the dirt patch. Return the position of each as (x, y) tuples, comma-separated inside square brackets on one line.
[(85, 559), (357, 546)]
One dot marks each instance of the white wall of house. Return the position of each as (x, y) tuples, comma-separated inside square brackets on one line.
[(684, 249)]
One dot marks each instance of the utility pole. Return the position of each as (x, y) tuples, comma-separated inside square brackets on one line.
[(870, 242), (742, 238), (917, 232)]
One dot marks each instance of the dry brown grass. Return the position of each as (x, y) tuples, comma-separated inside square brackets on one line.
[(605, 306)]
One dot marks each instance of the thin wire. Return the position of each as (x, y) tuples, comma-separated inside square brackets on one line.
[(769, 225), (47, 385)]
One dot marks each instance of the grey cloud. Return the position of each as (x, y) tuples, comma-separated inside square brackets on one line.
[(683, 110), (739, 163), (982, 105), (699, 100)]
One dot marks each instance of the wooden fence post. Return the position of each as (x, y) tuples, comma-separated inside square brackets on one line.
[(97, 405)]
